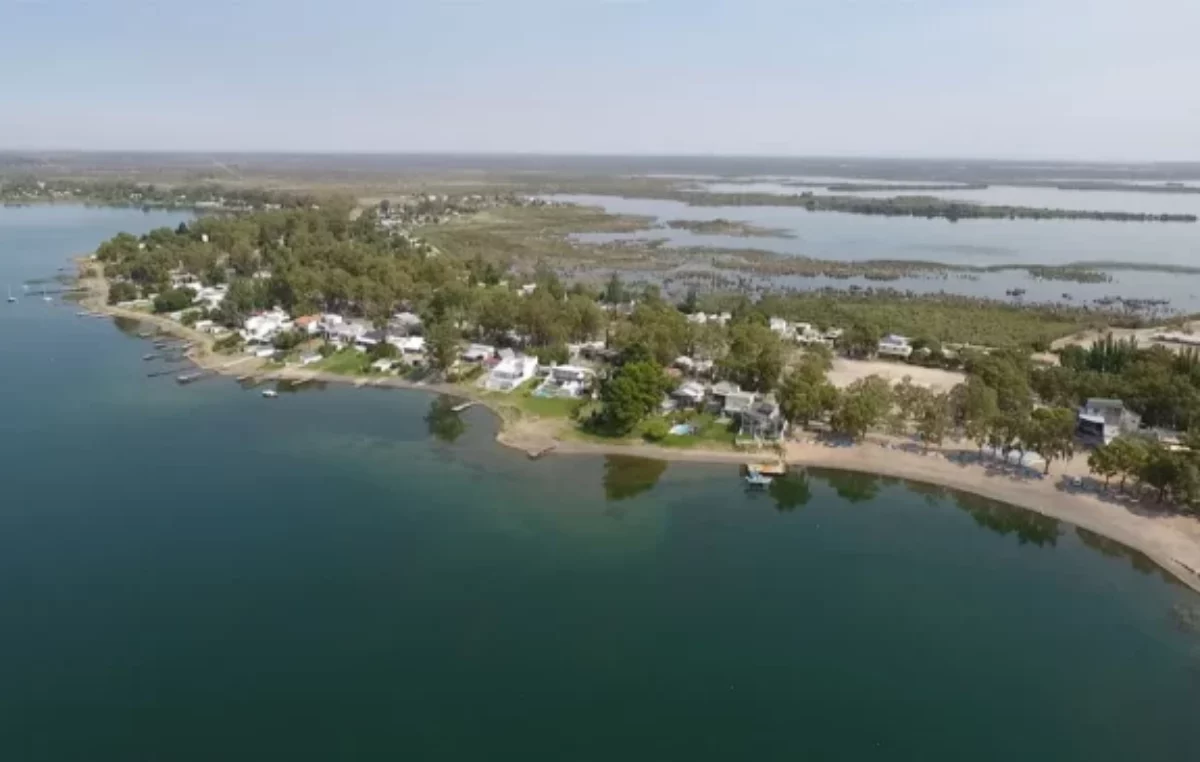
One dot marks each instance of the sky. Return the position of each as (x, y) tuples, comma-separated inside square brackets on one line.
[(1067, 79)]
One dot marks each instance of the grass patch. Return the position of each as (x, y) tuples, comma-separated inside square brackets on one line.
[(522, 398), (709, 433), (347, 362)]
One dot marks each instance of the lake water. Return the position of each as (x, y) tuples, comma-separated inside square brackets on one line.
[(852, 237), (993, 195), (196, 573)]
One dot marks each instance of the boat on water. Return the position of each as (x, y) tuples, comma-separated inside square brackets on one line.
[(755, 479), (11, 298), (270, 394)]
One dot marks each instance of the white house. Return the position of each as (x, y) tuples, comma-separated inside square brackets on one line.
[(406, 322), (690, 394), (383, 365), (698, 318), (408, 345), (566, 381), (510, 373), (344, 333), (781, 327), (261, 328), (1100, 421), (479, 352), (895, 346), (309, 359)]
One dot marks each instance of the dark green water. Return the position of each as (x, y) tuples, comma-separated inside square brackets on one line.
[(196, 573)]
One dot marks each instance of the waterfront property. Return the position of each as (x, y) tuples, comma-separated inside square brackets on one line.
[(512, 371), (570, 381), (1100, 421)]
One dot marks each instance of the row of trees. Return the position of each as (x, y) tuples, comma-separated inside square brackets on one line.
[(1170, 472)]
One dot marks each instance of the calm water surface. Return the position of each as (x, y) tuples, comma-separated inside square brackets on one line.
[(196, 573), (853, 237)]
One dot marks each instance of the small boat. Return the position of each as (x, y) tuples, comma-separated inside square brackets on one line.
[(11, 298), (756, 478), (149, 357), (270, 394)]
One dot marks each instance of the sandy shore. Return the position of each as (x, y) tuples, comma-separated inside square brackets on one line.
[(1171, 539)]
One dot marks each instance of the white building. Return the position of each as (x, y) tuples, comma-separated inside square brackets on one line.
[(895, 346), (479, 352), (510, 373), (781, 327), (261, 328), (408, 345), (566, 381)]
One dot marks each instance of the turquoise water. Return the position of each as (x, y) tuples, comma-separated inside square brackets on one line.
[(196, 573)]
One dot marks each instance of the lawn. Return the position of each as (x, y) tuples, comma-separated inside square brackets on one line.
[(348, 362), (708, 433), (543, 407)]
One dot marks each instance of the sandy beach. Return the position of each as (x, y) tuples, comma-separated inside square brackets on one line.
[(1169, 538)]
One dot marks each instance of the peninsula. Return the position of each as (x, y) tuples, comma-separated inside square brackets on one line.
[(309, 294)]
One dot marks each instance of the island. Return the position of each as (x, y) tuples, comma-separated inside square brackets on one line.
[(721, 226)]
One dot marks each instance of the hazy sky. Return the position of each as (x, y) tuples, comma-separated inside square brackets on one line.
[(1099, 79)]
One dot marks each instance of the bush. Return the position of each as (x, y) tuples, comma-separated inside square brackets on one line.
[(228, 343), (123, 291), (190, 317), (556, 354), (173, 300), (656, 430), (286, 340)]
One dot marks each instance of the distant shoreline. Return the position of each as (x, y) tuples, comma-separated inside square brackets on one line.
[(1171, 540)]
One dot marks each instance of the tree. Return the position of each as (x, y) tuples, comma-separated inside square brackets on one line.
[(122, 291), (862, 406), (1160, 469), (1103, 461), (976, 409), (631, 393), (755, 357), (860, 340), (1051, 433), (1129, 455), (934, 419), (441, 341), (174, 300), (804, 396), (614, 291)]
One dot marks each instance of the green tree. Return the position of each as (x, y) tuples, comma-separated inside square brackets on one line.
[(173, 300), (862, 406), (441, 342), (1103, 462), (1052, 433), (804, 396), (934, 418), (1129, 456), (755, 357), (631, 393), (861, 339), (122, 291)]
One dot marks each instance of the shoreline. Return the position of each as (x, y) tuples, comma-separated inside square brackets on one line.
[(1167, 537)]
